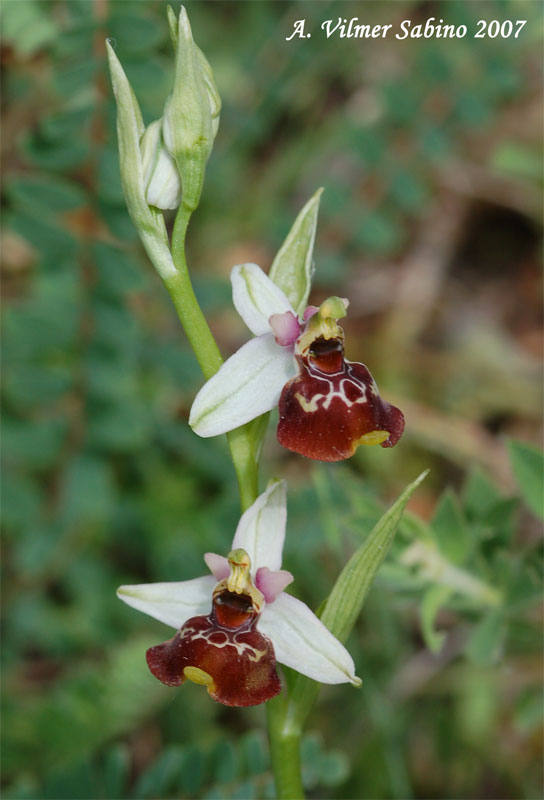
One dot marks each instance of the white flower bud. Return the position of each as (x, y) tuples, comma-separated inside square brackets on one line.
[(162, 182)]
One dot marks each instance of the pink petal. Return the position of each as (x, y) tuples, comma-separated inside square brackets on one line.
[(309, 312), (272, 582), (218, 565), (285, 327)]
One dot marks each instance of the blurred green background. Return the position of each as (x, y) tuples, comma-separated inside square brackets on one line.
[(429, 152)]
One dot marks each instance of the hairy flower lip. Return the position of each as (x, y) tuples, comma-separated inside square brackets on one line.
[(299, 638)]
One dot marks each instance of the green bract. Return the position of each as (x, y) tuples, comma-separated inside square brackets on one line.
[(130, 128)]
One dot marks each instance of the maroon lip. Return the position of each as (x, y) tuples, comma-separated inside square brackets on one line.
[(227, 647), (331, 404)]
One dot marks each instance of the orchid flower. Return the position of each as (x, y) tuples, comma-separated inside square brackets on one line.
[(232, 649), (328, 406)]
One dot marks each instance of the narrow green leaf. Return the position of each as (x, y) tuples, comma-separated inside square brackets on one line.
[(292, 268), (528, 467), (346, 600)]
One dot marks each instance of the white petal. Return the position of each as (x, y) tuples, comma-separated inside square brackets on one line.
[(171, 603), (256, 297), (164, 184), (302, 642), (247, 385), (261, 530)]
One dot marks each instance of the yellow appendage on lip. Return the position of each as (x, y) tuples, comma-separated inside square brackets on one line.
[(374, 437), (197, 675)]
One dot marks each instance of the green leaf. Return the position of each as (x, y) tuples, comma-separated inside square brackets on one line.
[(116, 771), (159, 778), (479, 494), (44, 236), (55, 155), (118, 271), (192, 772), (450, 529), (225, 759), (346, 600), (380, 231), (485, 644), (528, 467), (433, 599), (34, 444), (255, 752), (121, 428), (44, 194), (333, 768), (292, 269), (28, 26), (30, 386), (76, 76), (21, 500)]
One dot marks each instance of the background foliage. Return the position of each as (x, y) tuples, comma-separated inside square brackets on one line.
[(428, 152)]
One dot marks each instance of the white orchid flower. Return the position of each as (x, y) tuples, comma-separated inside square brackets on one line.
[(328, 406), (250, 382), (234, 624)]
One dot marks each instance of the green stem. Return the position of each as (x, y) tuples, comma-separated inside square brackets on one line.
[(241, 441), (244, 444), (284, 751), (189, 312)]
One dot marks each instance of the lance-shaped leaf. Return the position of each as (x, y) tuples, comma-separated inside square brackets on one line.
[(148, 221), (348, 595), (292, 268)]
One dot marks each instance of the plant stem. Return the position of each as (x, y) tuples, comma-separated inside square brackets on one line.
[(189, 312), (244, 444), (284, 751), (241, 441)]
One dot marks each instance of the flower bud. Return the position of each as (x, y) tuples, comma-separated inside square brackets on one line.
[(191, 114), (130, 129), (162, 182)]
